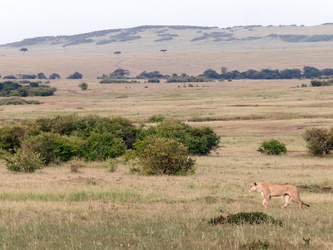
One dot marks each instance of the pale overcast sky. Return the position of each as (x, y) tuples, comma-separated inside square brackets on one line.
[(20, 19)]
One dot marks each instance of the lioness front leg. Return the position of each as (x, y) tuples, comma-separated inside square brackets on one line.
[(266, 201)]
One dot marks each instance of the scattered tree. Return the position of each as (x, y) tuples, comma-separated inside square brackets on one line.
[(24, 50), (54, 76), (41, 76), (75, 75), (117, 53), (224, 70)]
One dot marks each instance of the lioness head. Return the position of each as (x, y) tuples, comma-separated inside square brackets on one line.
[(253, 187)]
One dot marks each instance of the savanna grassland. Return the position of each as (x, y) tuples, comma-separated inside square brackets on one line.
[(96, 208)]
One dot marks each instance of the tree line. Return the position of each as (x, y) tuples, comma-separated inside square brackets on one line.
[(12, 88), (307, 72), (41, 76)]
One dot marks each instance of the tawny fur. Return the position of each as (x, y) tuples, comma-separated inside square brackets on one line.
[(269, 190)]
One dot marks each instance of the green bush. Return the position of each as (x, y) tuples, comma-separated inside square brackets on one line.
[(272, 147), (24, 160), (199, 141), (82, 127), (11, 137), (319, 140), (159, 155), (54, 148), (100, 147)]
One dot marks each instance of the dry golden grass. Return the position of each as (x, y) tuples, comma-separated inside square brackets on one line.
[(189, 62), (98, 209)]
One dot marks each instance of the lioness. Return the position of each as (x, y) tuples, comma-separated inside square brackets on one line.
[(273, 190)]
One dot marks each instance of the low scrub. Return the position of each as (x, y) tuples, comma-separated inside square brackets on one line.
[(25, 160), (272, 147), (245, 218), (17, 101), (156, 118), (318, 83)]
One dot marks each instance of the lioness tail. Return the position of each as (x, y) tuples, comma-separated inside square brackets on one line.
[(305, 204)]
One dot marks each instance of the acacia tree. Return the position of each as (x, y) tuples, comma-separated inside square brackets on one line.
[(24, 50), (117, 53), (164, 51)]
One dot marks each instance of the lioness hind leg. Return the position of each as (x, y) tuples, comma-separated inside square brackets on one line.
[(297, 199), (287, 200)]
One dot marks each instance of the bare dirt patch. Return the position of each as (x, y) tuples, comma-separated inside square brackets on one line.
[(316, 188)]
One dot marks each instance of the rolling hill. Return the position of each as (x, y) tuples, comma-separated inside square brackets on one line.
[(179, 38), (172, 49)]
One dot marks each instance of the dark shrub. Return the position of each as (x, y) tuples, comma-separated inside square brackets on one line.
[(41, 76), (54, 76), (242, 218), (42, 90), (75, 75), (153, 80), (83, 86)]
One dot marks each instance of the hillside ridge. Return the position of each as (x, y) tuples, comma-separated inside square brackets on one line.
[(154, 38)]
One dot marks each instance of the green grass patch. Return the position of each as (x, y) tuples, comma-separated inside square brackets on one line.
[(73, 196)]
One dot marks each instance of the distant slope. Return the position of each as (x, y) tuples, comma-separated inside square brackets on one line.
[(179, 38)]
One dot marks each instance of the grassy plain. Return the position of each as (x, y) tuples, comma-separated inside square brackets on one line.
[(189, 62), (98, 209)]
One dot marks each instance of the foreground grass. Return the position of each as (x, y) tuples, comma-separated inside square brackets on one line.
[(157, 226), (97, 209)]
